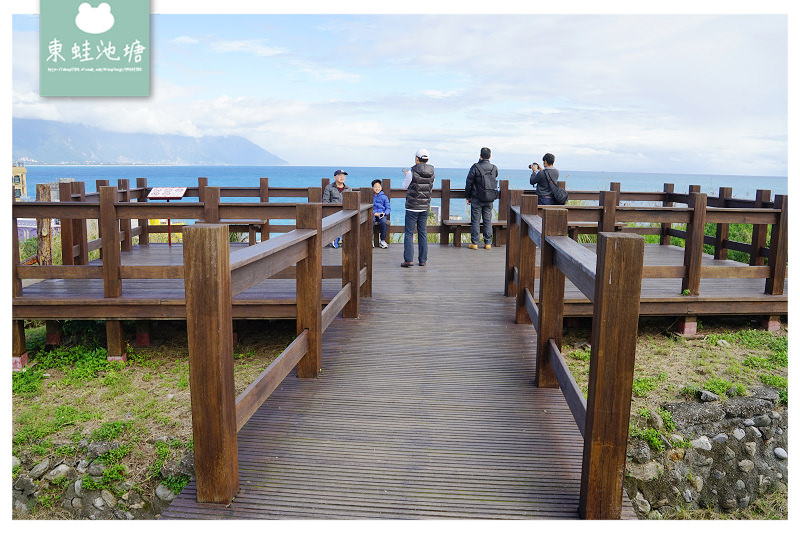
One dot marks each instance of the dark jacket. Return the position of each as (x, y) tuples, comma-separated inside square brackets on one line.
[(381, 204), (419, 192), (481, 183), (332, 195), (539, 180)]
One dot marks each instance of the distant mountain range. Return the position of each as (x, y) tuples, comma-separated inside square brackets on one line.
[(49, 142)]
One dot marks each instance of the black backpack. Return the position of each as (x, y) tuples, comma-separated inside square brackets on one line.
[(486, 186), (559, 195)]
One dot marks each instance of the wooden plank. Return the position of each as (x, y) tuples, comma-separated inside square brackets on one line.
[(551, 296), (253, 264), (112, 284), (609, 200), (336, 225), (259, 390), (614, 335), (660, 271), (532, 309), (527, 255), (512, 248), (778, 249), (694, 244), (576, 262), (743, 272), (123, 187), (759, 231), (335, 306), (115, 341), (572, 393), (209, 329), (351, 258), (742, 216), (141, 185), (60, 272), (669, 215), (150, 272)]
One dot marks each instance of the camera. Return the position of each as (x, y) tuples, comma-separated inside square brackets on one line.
[(534, 166)]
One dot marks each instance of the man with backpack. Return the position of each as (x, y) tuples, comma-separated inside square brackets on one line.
[(481, 192), (545, 180)]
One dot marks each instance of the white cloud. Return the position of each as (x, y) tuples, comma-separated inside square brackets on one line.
[(252, 46)]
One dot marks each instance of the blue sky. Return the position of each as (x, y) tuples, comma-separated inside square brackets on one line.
[(657, 93)]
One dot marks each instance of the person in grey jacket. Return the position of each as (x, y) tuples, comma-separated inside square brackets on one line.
[(419, 185), (481, 192), (333, 195), (540, 181)]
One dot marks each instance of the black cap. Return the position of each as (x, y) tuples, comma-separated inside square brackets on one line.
[(340, 172)]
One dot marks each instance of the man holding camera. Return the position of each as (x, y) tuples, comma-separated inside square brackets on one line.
[(539, 179)]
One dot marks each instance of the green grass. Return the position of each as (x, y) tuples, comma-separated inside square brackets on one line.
[(643, 386)]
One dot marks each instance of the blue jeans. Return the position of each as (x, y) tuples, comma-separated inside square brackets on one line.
[(381, 223), (420, 222), (546, 200), (477, 210)]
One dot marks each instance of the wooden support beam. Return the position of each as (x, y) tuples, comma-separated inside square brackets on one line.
[(142, 333), (144, 236), (19, 353), (44, 245), (263, 197), (202, 183), (778, 248), (309, 291), (693, 254), (16, 281), (54, 333), (112, 284), (527, 257), (211, 206), (666, 226), (79, 230), (501, 233), (512, 244), (365, 250), (314, 195), (351, 259), (551, 297), (759, 230), (67, 227), (115, 340), (608, 213), (123, 187), (444, 231), (723, 228), (206, 256), (614, 334)]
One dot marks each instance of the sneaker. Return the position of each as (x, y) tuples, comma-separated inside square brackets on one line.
[(487, 246), (334, 244), (422, 263), (473, 246), (384, 245), (406, 264)]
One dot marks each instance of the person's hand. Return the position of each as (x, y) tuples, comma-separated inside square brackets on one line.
[(468, 202), (405, 170)]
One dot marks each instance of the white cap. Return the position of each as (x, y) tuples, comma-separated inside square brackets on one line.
[(422, 153)]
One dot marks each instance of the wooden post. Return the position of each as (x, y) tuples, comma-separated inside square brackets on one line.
[(721, 248), (444, 231), (512, 246), (209, 328), (211, 206), (263, 197), (79, 225), (365, 250), (501, 234), (123, 184), (67, 236), (759, 231), (115, 341), (551, 298), (615, 321), (351, 259), (16, 281), (54, 333), (694, 188), (314, 195), (617, 187), (44, 245), (144, 236), (19, 352), (142, 333), (97, 185), (778, 248), (527, 257), (608, 214), (693, 254), (202, 183), (669, 188), (112, 284), (309, 291)]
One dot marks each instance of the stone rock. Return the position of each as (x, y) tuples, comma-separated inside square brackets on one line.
[(738, 433), (641, 504), (775, 415), (717, 474), (83, 466), (656, 421), (701, 461), (740, 484), (744, 501), (728, 503), (26, 485), (15, 461), (746, 407), (702, 443), (687, 496), (639, 451), (698, 483), (749, 422), (707, 396), (78, 486), (39, 470), (686, 414), (762, 421), (109, 498), (21, 507), (96, 449), (780, 453), (723, 343), (676, 454), (751, 448), (61, 470), (746, 465), (164, 493), (721, 438), (778, 431), (765, 393), (97, 469), (754, 432), (99, 503), (654, 515), (77, 503)]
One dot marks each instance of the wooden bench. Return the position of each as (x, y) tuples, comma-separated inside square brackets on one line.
[(459, 225)]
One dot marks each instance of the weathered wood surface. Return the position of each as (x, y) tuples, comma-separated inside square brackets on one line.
[(425, 408)]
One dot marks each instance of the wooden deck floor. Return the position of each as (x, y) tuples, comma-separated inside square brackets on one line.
[(425, 409)]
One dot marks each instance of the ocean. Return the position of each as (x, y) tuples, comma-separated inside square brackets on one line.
[(305, 176)]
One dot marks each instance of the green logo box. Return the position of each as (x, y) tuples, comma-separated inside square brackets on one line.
[(94, 48)]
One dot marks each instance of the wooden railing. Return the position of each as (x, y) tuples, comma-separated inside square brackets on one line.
[(611, 280), (649, 220), (213, 275)]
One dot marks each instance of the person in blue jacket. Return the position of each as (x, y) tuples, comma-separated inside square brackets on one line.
[(381, 208)]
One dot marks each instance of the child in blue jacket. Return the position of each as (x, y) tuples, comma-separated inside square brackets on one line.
[(380, 210)]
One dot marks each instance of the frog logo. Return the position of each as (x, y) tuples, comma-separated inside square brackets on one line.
[(94, 20)]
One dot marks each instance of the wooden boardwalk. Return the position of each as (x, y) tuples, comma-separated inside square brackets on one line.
[(425, 409)]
